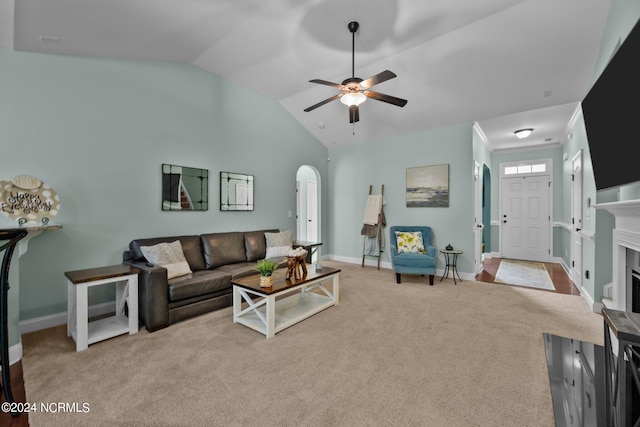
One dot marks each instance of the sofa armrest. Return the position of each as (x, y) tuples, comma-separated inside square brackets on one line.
[(153, 295), (431, 251)]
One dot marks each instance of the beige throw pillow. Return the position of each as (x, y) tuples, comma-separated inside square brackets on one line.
[(169, 256), (278, 244)]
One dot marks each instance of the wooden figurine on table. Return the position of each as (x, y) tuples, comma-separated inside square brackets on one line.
[(296, 264)]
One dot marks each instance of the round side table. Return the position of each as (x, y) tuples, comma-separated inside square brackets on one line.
[(451, 261)]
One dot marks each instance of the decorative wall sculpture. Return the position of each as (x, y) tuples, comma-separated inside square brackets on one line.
[(28, 200)]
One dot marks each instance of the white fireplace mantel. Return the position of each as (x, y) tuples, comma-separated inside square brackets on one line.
[(627, 214), (626, 235)]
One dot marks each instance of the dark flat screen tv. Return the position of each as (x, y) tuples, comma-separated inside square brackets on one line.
[(611, 112)]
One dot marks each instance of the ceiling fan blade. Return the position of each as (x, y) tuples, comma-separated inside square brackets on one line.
[(354, 115), (321, 103), (385, 98), (324, 82), (378, 78)]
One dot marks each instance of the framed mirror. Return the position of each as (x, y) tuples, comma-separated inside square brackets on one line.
[(184, 188), (236, 192)]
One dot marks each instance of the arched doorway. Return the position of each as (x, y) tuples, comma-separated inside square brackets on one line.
[(308, 207)]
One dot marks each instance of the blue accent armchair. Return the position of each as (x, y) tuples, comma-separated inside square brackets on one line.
[(413, 263)]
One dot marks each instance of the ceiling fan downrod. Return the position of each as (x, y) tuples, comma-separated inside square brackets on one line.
[(353, 27)]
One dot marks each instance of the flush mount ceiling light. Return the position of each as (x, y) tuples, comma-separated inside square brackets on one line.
[(523, 133)]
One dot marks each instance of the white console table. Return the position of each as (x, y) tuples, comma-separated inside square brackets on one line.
[(78, 325)]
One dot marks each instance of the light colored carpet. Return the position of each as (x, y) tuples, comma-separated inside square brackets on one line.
[(388, 354), (524, 273)]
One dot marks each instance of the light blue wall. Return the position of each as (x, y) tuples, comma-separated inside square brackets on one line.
[(98, 131), (353, 168)]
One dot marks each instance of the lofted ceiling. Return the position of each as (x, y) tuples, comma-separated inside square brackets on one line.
[(505, 64)]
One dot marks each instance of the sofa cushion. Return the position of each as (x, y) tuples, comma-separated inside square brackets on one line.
[(169, 256), (255, 244), (278, 244), (238, 270), (199, 283), (223, 248), (244, 269), (191, 248)]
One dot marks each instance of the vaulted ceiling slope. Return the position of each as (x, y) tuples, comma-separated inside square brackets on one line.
[(456, 60)]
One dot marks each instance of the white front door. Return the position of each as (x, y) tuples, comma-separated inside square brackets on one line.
[(526, 218), (576, 222)]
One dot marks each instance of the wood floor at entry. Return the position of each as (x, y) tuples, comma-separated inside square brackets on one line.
[(559, 277)]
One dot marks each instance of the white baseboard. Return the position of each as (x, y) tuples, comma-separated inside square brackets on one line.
[(15, 354), (607, 291), (371, 262), (564, 265), (387, 265), (596, 307), (45, 322)]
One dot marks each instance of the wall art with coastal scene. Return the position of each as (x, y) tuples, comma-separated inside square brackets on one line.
[(428, 186)]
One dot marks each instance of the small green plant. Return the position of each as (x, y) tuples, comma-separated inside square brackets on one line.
[(266, 267)]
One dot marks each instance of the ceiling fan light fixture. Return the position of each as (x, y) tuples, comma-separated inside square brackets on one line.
[(523, 133), (353, 98), (354, 90)]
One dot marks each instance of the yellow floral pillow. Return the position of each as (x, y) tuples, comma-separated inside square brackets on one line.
[(410, 242)]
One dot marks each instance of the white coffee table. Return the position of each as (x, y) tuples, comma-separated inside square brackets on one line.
[(287, 302)]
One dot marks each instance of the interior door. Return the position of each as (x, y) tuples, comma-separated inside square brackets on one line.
[(312, 211), (576, 220), (477, 222), (526, 218)]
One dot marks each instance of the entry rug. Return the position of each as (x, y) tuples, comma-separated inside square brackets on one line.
[(524, 273)]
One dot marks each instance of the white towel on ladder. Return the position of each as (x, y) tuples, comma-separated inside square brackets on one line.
[(374, 204)]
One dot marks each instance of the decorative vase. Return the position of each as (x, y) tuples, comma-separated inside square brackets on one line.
[(449, 247), (266, 281)]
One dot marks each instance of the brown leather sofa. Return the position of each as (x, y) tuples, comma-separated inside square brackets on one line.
[(214, 258)]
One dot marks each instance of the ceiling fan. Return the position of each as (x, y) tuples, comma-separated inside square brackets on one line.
[(354, 91)]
